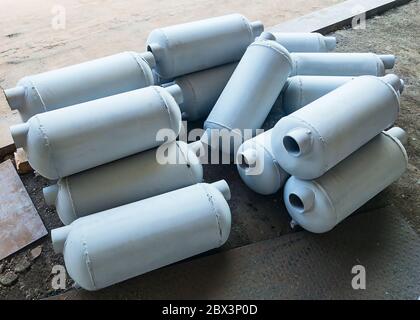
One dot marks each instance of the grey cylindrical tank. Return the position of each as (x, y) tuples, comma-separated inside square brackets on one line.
[(199, 45), (302, 90), (319, 205), (313, 139), (124, 181), (341, 64), (202, 89), (80, 83), (66, 141), (305, 41), (252, 89), (114, 245)]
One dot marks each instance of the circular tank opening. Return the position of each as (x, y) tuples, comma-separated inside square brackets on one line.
[(291, 145), (244, 163), (296, 202)]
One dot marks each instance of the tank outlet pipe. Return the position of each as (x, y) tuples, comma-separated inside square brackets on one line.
[(66, 141), (186, 48), (257, 166), (114, 245), (340, 64), (171, 166), (319, 205), (305, 41), (80, 83), (245, 104), (308, 143)]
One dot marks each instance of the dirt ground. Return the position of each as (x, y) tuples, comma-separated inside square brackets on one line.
[(255, 217)]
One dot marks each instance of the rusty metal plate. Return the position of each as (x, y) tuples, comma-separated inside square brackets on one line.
[(20, 223)]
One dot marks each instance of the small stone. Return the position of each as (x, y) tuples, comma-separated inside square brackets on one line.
[(36, 252), (8, 279), (1, 267), (22, 265)]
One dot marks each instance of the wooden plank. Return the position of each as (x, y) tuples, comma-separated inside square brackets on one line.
[(298, 266), (335, 17), (20, 223)]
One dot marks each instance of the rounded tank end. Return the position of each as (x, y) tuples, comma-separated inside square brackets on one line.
[(58, 238), (267, 36), (15, 97), (223, 187), (398, 133), (297, 142), (50, 194), (388, 60), (394, 81), (19, 134), (257, 28), (330, 43)]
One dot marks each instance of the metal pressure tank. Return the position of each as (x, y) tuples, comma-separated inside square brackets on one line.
[(313, 139), (80, 83), (200, 45), (251, 91), (115, 245), (66, 141), (123, 181), (319, 205)]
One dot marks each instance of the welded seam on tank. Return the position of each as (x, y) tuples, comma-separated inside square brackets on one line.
[(37, 94), (171, 55), (71, 198), (166, 107), (321, 138), (215, 212), (140, 62), (300, 90), (48, 145), (328, 198), (219, 124), (187, 162), (247, 25), (321, 43), (399, 144), (88, 262), (267, 44), (188, 82)]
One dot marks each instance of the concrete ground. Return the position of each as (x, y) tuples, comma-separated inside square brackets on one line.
[(255, 217)]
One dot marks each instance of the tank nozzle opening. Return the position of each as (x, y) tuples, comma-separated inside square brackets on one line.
[(15, 97), (297, 142)]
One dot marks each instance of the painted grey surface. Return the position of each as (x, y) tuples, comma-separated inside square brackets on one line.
[(112, 246), (340, 64), (124, 181), (66, 141), (319, 205), (200, 45), (252, 89), (305, 41), (79, 83), (202, 89), (313, 139)]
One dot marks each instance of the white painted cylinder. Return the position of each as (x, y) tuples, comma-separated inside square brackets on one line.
[(305, 41), (319, 205), (257, 166), (340, 64), (252, 89), (200, 45), (80, 83), (66, 141), (124, 181), (313, 139), (302, 90), (114, 245), (202, 89)]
